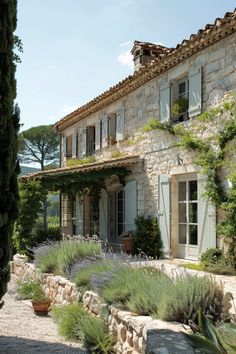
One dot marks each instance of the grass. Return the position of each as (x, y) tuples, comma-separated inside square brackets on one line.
[(68, 318), (195, 266), (77, 162), (59, 257), (75, 323)]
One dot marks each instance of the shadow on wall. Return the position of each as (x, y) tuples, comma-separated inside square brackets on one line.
[(9, 345)]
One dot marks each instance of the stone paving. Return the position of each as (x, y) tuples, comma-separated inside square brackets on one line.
[(22, 332)]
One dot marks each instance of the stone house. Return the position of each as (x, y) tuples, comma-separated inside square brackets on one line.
[(162, 179)]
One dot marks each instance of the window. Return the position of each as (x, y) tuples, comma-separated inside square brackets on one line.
[(90, 140), (188, 212), (68, 146), (120, 212), (186, 91), (179, 111), (112, 129)]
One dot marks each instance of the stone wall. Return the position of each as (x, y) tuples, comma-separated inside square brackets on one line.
[(136, 334)]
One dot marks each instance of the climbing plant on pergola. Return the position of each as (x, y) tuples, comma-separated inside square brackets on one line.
[(32, 192)]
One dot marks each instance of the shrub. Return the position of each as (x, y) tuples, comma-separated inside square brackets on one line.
[(59, 257), (179, 106), (97, 339), (83, 277), (75, 323), (146, 294), (53, 233), (212, 255), (68, 319), (147, 236), (29, 289), (189, 294), (76, 162), (120, 286)]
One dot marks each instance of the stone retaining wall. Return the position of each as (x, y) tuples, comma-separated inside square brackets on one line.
[(136, 334)]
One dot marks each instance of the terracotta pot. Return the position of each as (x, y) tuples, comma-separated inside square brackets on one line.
[(41, 307), (128, 245)]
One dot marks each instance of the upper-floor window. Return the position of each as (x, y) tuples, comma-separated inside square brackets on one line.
[(181, 98)]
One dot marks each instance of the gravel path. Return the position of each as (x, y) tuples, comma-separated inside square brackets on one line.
[(22, 332)]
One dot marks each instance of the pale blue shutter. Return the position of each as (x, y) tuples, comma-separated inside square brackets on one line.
[(74, 144), (130, 205), (164, 101), (83, 142), (103, 215), (97, 135), (105, 131), (164, 212), (65, 145), (79, 216), (195, 92), (206, 219), (120, 125)]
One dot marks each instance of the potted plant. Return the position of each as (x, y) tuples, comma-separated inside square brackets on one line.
[(32, 289), (40, 302), (179, 107), (112, 140), (127, 241)]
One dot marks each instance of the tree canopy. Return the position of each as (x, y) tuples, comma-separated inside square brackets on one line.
[(9, 126), (39, 144)]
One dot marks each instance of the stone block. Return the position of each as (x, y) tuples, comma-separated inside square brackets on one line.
[(213, 67), (121, 332), (217, 54)]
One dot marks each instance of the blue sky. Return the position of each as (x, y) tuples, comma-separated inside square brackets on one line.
[(76, 49)]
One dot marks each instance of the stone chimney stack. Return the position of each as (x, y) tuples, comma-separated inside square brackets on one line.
[(144, 52)]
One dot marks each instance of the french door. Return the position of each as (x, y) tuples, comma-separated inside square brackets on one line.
[(188, 238)]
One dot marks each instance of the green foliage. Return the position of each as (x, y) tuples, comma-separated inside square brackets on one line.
[(147, 237), (227, 227), (210, 115), (209, 342), (77, 162), (179, 106), (53, 233), (154, 124), (39, 144), (59, 257), (9, 126), (189, 294), (31, 197), (227, 334), (212, 255), (30, 289), (97, 338), (68, 319), (75, 323), (83, 276), (116, 154)]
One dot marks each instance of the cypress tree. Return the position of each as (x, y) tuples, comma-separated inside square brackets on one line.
[(9, 125)]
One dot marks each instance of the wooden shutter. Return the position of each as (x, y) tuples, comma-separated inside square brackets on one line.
[(79, 216), (97, 135), (130, 205), (206, 219), (164, 211), (103, 215), (83, 142), (74, 144), (120, 125), (105, 131), (165, 101), (64, 145), (195, 92)]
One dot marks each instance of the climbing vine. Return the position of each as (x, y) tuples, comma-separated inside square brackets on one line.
[(32, 193)]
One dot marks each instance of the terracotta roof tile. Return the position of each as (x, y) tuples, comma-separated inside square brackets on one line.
[(221, 28)]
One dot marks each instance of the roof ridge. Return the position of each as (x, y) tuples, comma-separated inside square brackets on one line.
[(194, 43)]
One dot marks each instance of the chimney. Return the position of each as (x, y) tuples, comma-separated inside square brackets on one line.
[(144, 52)]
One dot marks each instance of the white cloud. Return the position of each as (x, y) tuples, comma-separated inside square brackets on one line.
[(66, 109), (124, 44), (126, 58)]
